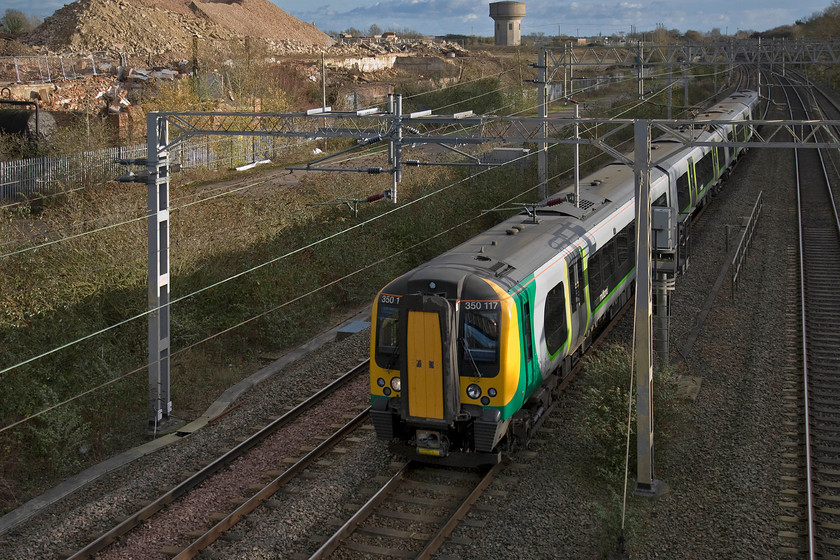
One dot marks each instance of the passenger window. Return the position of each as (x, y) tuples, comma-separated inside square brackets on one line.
[(595, 281), (705, 171), (556, 331), (608, 264), (683, 195), (576, 279)]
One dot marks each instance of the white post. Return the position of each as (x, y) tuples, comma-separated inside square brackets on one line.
[(157, 199)]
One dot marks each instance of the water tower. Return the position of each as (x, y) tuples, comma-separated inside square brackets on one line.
[(508, 16)]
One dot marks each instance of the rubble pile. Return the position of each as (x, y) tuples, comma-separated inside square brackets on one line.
[(417, 48), (9, 46), (158, 27), (153, 40), (163, 30)]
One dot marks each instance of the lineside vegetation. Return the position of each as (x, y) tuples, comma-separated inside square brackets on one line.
[(77, 283)]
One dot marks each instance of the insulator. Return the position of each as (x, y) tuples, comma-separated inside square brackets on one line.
[(555, 201), (137, 161), (375, 197), (374, 170), (134, 178)]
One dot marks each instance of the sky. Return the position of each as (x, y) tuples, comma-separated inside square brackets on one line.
[(550, 17)]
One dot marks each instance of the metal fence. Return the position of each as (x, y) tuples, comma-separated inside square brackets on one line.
[(47, 68), (49, 175), (746, 240)]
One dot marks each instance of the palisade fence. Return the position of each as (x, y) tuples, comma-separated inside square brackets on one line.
[(51, 175), (48, 68)]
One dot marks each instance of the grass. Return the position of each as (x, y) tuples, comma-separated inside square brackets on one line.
[(61, 292)]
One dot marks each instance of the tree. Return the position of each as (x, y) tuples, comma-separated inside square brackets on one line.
[(16, 22), (694, 36), (374, 30)]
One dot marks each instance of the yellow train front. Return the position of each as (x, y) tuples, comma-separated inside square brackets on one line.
[(445, 357)]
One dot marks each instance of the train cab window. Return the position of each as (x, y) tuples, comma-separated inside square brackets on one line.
[(480, 340), (387, 335), (556, 330)]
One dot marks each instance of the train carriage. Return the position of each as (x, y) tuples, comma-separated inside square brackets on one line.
[(467, 348)]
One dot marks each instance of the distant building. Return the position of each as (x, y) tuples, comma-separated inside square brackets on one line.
[(508, 17)]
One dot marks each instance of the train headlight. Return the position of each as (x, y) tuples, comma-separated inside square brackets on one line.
[(395, 384), (380, 382), (491, 391), (473, 391)]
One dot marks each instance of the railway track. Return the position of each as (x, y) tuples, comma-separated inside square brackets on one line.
[(412, 515), (194, 534), (415, 511), (812, 495)]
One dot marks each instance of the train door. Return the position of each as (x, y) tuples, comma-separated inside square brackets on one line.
[(692, 183), (428, 374), (716, 161), (425, 365), (577, 297)]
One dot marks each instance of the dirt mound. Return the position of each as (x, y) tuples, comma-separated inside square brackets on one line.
[(9, 46), (261, 18), (154, 27)]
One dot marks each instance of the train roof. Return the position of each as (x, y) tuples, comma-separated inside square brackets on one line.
[(512, 250)]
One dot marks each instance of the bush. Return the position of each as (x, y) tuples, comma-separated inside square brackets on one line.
[(606, 393)]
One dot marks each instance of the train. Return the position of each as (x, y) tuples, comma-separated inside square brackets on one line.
[(468, 349)]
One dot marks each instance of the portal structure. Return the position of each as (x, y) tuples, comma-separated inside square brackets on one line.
[(508, 17)]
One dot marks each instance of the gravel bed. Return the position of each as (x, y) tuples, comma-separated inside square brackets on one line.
[(73, 522), (722, 466)]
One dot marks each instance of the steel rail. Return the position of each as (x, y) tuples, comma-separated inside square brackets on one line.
[(809, 459), (184, 487), (435, 541), (812, 533), (440, 537), (332, 543), (270, 489)]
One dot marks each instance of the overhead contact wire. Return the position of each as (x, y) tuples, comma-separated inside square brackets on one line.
[(264, 313)]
